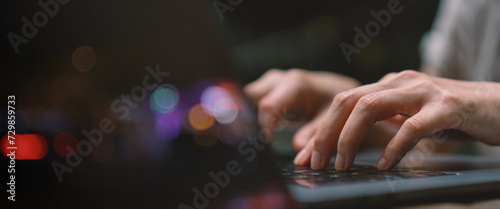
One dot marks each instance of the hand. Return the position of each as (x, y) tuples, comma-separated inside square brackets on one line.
[(312, 92), (430, 104)]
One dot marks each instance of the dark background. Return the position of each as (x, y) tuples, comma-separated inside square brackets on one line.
[(261, 34), (307, 34)]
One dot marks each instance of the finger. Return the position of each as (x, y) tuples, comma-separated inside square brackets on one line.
[(305, 133), (262, 86), (369, 109), (304, 156), (431, 119), (325, 139), (287, 94)]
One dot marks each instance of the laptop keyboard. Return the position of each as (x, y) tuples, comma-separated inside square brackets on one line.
[(358, 173)]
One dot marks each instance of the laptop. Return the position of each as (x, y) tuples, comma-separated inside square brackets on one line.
[(138, 105)]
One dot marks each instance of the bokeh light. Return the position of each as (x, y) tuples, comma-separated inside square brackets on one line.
[(235, 90), (63, 140), (164, 99), (84, 58), (225, 110), (168, 126), (29, 146), (199, 119), (211, 95), (219, 103)]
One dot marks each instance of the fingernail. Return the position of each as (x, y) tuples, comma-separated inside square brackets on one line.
[(316, 161), (339, 162), (382, 164), (300, 157)]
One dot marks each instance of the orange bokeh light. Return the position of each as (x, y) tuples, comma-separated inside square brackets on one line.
[(200, 120)]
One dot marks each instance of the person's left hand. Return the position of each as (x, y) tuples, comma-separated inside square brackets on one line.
[(430, 103), (279, 91)]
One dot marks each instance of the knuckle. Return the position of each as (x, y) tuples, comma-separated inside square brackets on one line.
[(296, 74), (409, 74), (426, 86), (414, 124), (274, 73), (431, 85), (369, 101), (343, 98), (388, 76)]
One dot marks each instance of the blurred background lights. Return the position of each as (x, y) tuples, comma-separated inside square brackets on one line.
[(164, 99), (168, 126), (220, 104), (64, 140), (29, 146), (211, 95), (84, 58), (225, 110), (199, 119), (235, 90)]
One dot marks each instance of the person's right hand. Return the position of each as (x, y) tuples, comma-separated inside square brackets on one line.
[(278, 91), (430, 104)]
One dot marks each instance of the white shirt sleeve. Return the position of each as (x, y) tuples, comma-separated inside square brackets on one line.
[(464, 42)]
